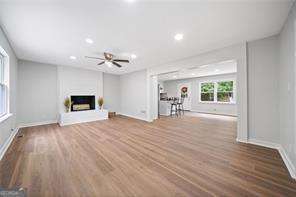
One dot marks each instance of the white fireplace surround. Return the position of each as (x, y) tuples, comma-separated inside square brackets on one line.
[(79, 82), (82, 116)]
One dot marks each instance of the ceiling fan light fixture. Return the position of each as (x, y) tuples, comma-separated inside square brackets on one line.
[(109, 60), (133, 56), (108, 63)]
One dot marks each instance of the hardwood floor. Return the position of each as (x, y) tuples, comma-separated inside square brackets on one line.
[(190, 156)]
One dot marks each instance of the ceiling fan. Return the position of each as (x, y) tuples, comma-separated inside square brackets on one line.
[(109, 60)]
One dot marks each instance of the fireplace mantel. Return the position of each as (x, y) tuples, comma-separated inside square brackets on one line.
[(82, 116)]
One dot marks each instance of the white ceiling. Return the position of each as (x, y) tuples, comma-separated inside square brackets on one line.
[(50, 31), (219, 68)]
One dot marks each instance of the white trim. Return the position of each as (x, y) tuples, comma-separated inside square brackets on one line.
[(135, 117), (287, 161), (7, 143), (215, 82), (236, 53), (81, 122), (24, 125), (4, 117), (241, 140), (264, 143), (291, 168), (218, 102), (214, 113), (6, 77)]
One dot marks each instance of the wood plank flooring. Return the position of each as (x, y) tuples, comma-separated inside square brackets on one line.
[(187, 156)]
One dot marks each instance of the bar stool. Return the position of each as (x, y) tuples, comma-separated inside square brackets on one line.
[(180, 106), (174, 107)]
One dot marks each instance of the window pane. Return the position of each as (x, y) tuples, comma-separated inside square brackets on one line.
[(225, 91), (207, 91), (2, 99), (207, 87), (225, 86), (225, 96), (207, 96), (1, 69)]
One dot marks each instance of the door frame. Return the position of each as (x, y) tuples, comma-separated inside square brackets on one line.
[(236, 52)]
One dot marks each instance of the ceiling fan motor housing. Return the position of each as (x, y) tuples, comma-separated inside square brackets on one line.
[(108, 56)]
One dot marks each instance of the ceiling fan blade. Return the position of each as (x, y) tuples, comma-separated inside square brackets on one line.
[(94, 58), (116, 64), (118, 60), (103, 62)]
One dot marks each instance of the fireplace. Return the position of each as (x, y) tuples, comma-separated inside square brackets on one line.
[(82, 103)]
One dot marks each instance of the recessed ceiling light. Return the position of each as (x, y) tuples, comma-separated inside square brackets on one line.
[(73, 57), (174, 76), (179, 37), (192, 74), (109, 64), (133, 56), (216, 70), (89, 41)]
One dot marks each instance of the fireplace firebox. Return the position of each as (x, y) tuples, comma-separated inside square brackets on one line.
[(83, 102)]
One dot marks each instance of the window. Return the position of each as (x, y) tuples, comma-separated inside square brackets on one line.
[(3, 83), (217, 91), (225, 91), (207, 91)]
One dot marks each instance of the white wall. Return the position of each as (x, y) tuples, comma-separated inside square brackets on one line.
[(75, 81), (7, 126), (37, 92), (133, 94), (111, 92), (287, 87), (171, 87), (263, 62), (43, 88)]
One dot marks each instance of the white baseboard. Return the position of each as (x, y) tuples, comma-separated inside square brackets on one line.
[(264, 143), (132, 116), (214, 113), (7, 143), (287, 161), (23, 125), (291, 168), (241, 140)]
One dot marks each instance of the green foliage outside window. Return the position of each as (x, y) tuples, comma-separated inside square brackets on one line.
[(207, 91), (225, 91), (207, 87), (225, 86)]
